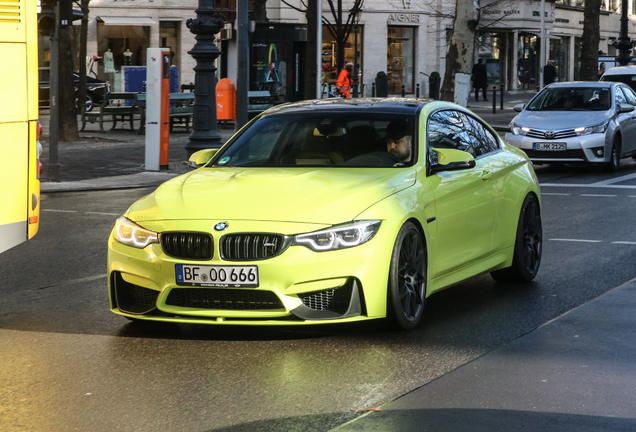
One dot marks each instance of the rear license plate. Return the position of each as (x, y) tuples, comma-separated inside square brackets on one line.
[(550, 146), (217, 276)]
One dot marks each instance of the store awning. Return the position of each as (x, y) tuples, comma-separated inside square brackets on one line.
[(127, 21)]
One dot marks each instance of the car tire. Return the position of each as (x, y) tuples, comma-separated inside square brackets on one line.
[(407, 278), (528, 245), (615, 157)]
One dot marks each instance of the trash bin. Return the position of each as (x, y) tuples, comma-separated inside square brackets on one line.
[(225, 100), (433, 85)]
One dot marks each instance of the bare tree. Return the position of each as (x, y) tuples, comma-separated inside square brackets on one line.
[(459, 57), (590, 40), (66, 97)]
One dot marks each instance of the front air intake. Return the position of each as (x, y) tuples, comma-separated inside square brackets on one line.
[(187, 245), (252, 246)]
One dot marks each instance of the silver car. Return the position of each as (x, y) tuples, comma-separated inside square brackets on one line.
[(577, 122)]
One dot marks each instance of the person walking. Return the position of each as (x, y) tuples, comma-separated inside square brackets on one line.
[(480, 79), (343, 84), (549, 73)]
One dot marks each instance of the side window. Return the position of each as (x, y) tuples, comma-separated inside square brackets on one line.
[(456, 130), (629, 95), (478, 137), (620, 98), (444, 130)]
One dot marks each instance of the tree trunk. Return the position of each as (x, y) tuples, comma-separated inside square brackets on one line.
[(590, 40), (312, 71), (81, 94), (66, 102), (459, 57)]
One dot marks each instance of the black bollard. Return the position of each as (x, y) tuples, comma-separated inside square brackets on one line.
[(373, 90), (403, 91), (417, 90), (501, 97), (494, 99)]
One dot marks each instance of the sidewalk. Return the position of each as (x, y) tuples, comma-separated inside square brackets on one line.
[(575, 373)]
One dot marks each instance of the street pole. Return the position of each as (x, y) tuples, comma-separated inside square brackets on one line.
[(242, 78), (624, 44), (319, 50), (205, 132), (542, 54), (54, 113)]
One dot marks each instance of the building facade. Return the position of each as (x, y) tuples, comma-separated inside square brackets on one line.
[(405, 39)]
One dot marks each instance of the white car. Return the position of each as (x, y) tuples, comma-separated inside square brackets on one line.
[(591, 122)]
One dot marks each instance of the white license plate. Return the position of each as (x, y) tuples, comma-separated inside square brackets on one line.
[(550, 146), (217, 276)]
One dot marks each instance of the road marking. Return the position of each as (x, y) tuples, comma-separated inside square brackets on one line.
[(597, 195), (555, 194), (576, 240), (60, 211), (591, 185), (624, 242), (106, 214), (616, 179)]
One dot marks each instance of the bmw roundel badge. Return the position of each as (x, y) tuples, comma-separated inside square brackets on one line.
[(221, 226)]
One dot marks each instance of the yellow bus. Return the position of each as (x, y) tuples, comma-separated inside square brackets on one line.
[(20, 130)]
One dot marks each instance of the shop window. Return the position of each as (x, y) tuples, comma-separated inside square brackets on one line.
[(127, 44), (269, 68), (400, 59), (330, 55), (492, 49), (169, 38), (559, 53), (527, 61)]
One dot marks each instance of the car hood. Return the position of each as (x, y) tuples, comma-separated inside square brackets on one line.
[(311, 195), (558, 120)]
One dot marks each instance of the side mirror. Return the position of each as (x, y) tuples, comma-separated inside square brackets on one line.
[(201, 157), (519, 107), (450, 159), (625, 108)]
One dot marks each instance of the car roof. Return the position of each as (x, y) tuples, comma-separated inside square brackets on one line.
[(621, 70), (579, 84), (405, 106)]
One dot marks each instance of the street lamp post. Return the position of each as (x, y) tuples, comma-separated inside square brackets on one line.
[(356, 72), (624, 44), (205, 132)]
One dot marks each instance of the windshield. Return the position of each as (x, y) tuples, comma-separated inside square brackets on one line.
[(329, 139), (630, 80), (572, 99)]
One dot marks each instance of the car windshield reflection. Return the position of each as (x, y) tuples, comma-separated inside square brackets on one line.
[(325, 139), (572, 99)]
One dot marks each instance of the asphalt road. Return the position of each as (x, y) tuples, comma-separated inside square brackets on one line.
[(67, 363)]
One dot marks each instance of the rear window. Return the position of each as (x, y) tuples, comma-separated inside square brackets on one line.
[(630, 80), (572, 99)]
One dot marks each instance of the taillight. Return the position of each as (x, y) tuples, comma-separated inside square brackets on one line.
[(38, 130)]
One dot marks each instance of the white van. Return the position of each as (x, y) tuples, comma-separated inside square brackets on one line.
[(623, 74)]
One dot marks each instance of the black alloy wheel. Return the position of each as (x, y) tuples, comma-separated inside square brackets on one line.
[(615, 157), (88, 105), (528, 245), (407, 278)]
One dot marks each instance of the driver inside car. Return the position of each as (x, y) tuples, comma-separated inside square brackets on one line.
[(398, 140)]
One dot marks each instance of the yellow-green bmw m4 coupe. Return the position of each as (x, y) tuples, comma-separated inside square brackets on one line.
[(330, 211)]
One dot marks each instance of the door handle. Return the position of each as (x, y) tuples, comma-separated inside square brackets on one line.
[(486, 175)]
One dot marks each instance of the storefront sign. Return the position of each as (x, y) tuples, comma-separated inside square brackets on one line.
[(404, 18), (507, 12)]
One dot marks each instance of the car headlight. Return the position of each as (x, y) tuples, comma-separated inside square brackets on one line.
[(338, 237), (601, 128), (131, 234), (518, 130)]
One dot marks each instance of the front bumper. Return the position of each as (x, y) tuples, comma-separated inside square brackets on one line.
[(579, 149), (297, 287)]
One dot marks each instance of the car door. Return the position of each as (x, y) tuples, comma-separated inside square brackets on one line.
[(466, 200), (628, 123)]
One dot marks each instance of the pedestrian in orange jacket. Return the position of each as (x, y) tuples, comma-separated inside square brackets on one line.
[(343, 85)]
